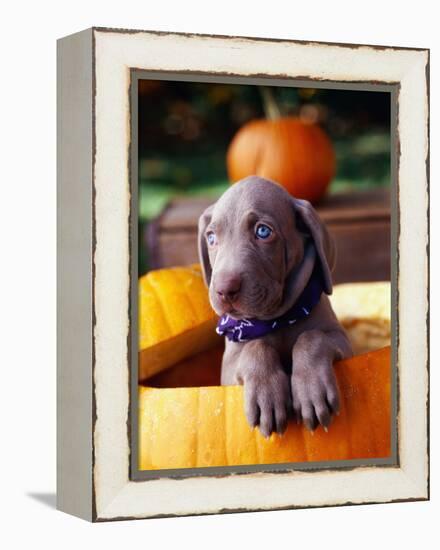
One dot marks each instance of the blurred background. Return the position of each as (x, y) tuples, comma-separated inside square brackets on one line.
[(185, 129)]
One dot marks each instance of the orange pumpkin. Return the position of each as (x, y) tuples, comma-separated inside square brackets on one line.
[(297, 154), (205, 426), (175, 318)]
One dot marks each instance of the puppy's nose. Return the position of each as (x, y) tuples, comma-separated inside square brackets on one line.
[(228, 287)]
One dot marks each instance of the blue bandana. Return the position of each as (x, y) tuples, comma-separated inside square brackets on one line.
[(243, 330)]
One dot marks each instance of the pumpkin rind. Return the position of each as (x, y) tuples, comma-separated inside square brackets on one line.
[(296, 154), (175, 318), (206, 426)]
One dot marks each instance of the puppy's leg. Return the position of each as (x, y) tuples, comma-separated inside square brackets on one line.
[(266, 387), (315, 394)]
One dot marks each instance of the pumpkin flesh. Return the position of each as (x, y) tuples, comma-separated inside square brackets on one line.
[(364, 310)]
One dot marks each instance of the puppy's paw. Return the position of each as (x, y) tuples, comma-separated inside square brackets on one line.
[(268, 402), (315, 395)]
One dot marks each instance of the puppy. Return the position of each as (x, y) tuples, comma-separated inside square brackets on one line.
[(267, 259)]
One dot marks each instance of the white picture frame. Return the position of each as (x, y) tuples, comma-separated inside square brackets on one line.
[(94, 272)]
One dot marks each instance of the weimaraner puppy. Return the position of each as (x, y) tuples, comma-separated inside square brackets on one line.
[(267, 259)]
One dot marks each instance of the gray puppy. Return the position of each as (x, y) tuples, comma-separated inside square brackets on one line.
[(267, 260)]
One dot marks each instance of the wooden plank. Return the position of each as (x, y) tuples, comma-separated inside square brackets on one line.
[(175, 249), (359, 223), (341, 207), (363, 251), (182, 213)]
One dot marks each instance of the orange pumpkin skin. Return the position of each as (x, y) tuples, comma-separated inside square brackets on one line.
[(296, 154), (176, 320), (190, 427)]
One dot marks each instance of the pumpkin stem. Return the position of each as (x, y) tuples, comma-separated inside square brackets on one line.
[(270, 106)]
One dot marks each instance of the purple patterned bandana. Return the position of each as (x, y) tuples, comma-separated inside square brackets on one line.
[(242, 330)]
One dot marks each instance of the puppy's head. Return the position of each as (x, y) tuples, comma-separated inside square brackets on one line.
[(257, 247)]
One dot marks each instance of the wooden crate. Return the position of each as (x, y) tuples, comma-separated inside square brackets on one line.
[(359, 223)]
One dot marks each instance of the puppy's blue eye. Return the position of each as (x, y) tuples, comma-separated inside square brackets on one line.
[(263, 231), (211, 238)]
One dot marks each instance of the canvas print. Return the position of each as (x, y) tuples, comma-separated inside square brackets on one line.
[(264, 276)]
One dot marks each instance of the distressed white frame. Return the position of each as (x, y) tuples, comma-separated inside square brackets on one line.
[(114, 54)]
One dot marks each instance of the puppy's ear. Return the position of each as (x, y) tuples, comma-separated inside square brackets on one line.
[(309, 222), (204, 221)]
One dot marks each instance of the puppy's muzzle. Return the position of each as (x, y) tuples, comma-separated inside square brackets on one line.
[(227, 287)]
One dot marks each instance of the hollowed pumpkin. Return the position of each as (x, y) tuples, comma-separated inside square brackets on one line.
[(189, 427), (297, 154)]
